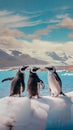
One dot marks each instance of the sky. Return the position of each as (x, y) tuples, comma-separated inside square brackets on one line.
[(43, 21)]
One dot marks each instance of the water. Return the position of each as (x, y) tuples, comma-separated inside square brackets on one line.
[(66, 77)]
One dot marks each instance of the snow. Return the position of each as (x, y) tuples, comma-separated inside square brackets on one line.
[(19, 113)]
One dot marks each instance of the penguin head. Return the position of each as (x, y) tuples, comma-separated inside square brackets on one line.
[(51, 69), (21, 69), (24, 67), (34, 69)]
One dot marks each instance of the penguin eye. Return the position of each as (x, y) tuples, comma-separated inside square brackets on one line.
[(51, 69)]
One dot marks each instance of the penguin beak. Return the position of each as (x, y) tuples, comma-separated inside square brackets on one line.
[(35, 69), (24, 67), (48, 68)]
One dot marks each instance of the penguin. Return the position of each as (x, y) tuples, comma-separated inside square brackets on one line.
[(34, 83), (17, 84), (55, 83)]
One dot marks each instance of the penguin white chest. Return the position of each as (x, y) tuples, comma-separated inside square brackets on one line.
[(54, 85)]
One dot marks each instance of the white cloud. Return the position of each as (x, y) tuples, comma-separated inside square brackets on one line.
[(62, 16), (22, 24), (54, 21), (12, 20), (5, 12)]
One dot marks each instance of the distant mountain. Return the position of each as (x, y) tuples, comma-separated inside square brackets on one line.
[(59, 59), (25, 52), (15, 53), (17, 58)]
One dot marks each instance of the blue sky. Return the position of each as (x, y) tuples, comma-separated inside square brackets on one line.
[(47, 20)]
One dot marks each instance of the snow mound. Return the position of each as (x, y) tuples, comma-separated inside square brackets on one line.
[(19, 113)]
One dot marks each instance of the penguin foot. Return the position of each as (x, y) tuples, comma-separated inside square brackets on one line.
[(20, 95), (38, 97), (11, 95), (53, 95), (30, 97), (62, 94)]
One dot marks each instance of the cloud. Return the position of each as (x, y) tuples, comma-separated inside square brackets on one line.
[(11, 33), (9, 21), (54, 21), (65, 7), (16, 33), (58, 18), (46, 10), (62, 16), (70, 35), (23, 24), (44, 31), (5, 12), (40, 32), (67, 23), (13, 20)]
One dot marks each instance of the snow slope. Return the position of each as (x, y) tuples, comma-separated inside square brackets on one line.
[(22, 113)]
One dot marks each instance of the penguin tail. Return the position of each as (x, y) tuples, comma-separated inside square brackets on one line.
[(62, 94)]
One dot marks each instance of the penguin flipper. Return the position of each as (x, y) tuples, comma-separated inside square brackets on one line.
[(7, 79)]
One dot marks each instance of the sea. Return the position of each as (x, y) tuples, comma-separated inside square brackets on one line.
[(66, 77)]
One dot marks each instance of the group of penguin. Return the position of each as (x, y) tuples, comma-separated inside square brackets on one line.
[(34, 82)]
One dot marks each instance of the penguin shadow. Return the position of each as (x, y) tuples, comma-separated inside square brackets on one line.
[(49, 103)]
